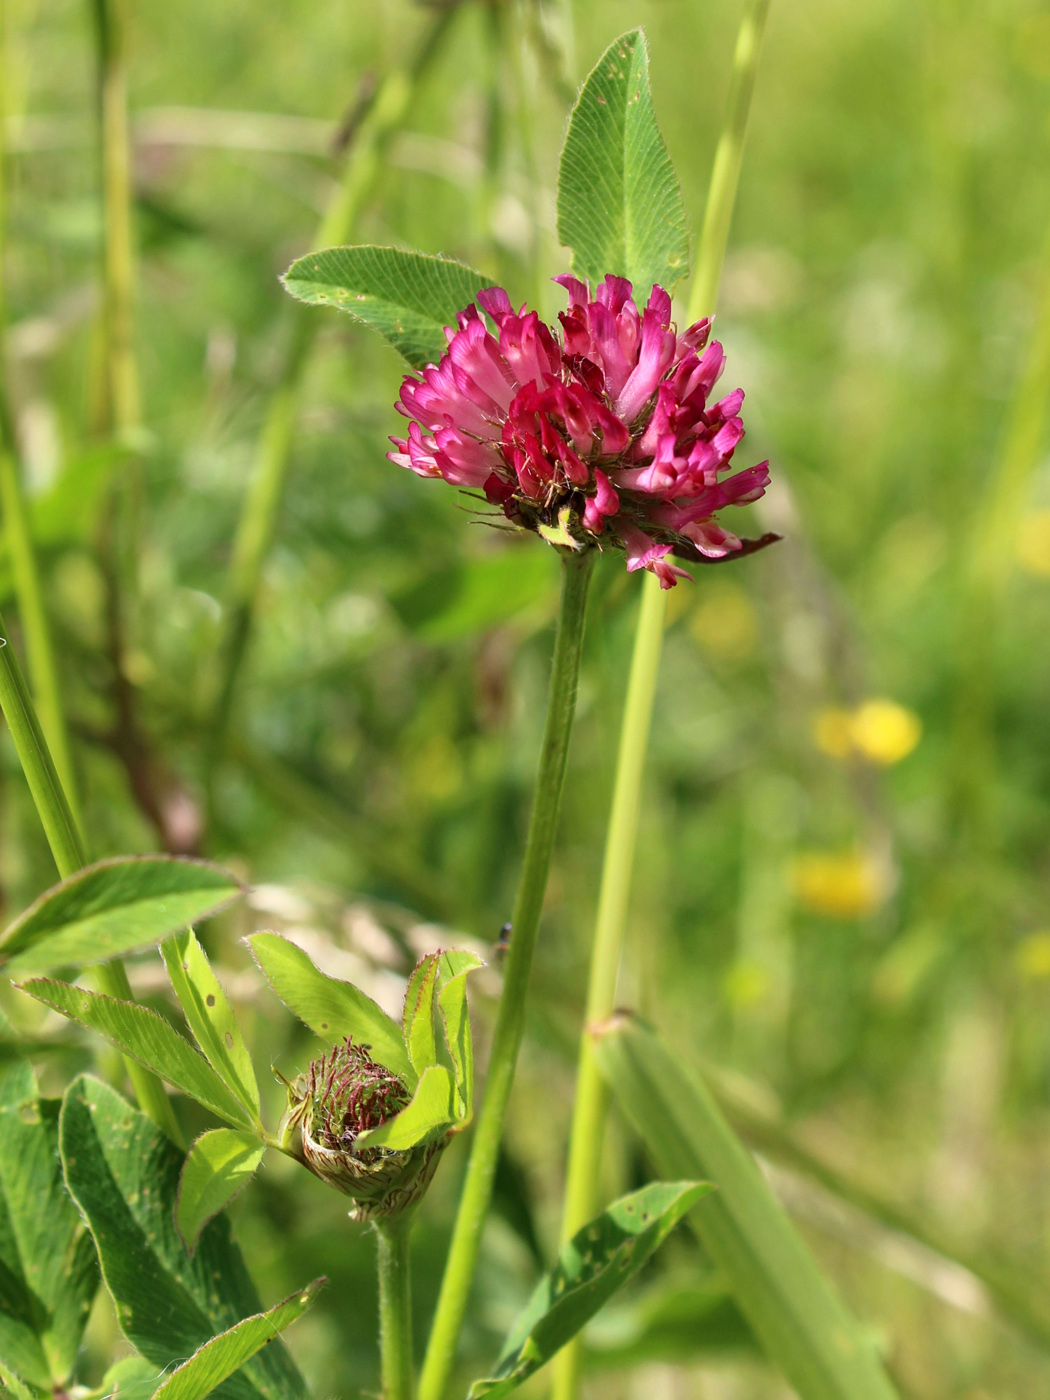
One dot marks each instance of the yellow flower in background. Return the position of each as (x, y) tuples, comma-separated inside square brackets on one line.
[(880, 731), (1033, 544), (1032, 957), (846, 885), (885, 732)]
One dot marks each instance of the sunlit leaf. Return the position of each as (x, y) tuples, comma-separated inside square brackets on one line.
[(218, 1166), (332, 1009), (211, 1017), (220, 1357), (597, 1261), (430, 1114), (409, 298), (779, 1287), (453, 969), (130, 1378), (124, 1174), (146, 1037), (48, 1272), (619, 204), (418, 1015), (112, 908)]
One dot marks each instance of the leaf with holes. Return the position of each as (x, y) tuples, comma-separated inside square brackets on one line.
[(619, 202), (332, 1009), (146, 1037), (217, 1168), (113, 908), (409, 298), (124, 1175), (597, 1261), (211, 1017)]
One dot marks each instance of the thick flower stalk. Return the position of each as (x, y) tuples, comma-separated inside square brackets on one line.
[(342, 1095), (600, 433)]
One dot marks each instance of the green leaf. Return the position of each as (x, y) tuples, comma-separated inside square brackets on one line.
[(220, 1357), (792, 1308), (332, 1009), (146, 1037), (14, 1385), (409, 298), (48, 1272), (590, 1268), (619, 204), (124, 1174), (218, 1166), (431, 1113), (112, 908), (418, 1016), (130, 1378), (211, 1017), (452, 1004)]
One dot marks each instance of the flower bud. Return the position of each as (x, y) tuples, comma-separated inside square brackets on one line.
[(344, 1094)]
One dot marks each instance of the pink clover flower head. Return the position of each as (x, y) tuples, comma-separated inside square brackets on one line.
[(599, 433)]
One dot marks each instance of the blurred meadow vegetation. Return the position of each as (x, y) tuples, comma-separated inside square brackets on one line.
[(842, 890)]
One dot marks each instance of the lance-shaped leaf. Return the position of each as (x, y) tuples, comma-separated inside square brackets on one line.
[(409, 298), (48, 1272), (218, 1167), (210, 1017), (436, 998), (452, 1005), (224, 1354), (146, 1037), (124, 1173), (12, 1382), (112, 908), (332, 1009), (591, 1267), (778, 1285), (429, 1115), (619, 204)]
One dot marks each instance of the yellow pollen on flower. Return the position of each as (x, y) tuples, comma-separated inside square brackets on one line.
[(1032, 957), (879, 731), (1033, 544), (847, 885)]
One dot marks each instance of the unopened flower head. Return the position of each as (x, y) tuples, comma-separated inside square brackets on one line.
[(342, 1095), (598, 434)]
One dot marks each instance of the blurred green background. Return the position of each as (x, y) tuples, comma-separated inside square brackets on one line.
[(841, 895)]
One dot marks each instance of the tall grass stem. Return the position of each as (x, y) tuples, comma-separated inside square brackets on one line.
[(258, 522), (395, 1310), (582, 1192), (510, 1021)]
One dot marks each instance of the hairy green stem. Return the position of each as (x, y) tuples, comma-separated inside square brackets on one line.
[(67, 847), (510, 1021), (582, 1192), (258, 522), (395, 1310)]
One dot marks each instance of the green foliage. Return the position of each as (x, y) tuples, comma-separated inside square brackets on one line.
[(48, 1273), (619, 202), (597, 1261), (778, 1285), (123, 1174), (437, 999), (211, 1018), (112, 908), (208, 1367), (409, 298), (428, 1116), (217, 1168), (333, 1010), (146, 1037)]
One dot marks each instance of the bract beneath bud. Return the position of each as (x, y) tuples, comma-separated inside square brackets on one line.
[(344, 1094)]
